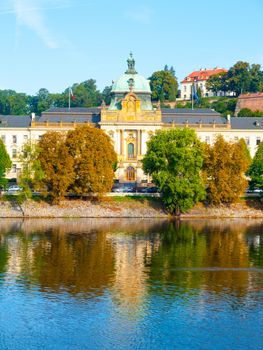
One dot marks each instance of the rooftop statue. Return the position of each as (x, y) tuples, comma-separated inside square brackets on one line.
[(131, 65)]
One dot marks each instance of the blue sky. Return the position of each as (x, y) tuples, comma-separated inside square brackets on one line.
[(55, 43)]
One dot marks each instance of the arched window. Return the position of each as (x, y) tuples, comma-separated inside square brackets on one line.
[(130, 151), (130, 173)]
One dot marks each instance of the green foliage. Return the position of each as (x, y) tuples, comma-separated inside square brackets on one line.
[(106, 94), (256, 169), (224, 169), (164, 86), (86, 94), (94, 160), (240, 78), (31, 172), (5, 164), (225, 106), (246, 112), (174, 159), (56, 164), (217, 82)]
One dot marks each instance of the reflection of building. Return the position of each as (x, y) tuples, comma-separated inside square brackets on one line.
[(199, 78), (131, 274), (130, 121)]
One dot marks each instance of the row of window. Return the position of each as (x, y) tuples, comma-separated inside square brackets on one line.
[(236, 138), (14, 138)]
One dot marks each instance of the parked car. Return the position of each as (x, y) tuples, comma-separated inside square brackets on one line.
[(153, 189), (123, 189), (13, 189)]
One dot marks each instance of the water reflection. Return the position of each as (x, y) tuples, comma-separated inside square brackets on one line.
[(143, 282), (131, 257)]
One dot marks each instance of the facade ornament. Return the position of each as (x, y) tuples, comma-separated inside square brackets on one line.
[(131, 65), (131, 84)]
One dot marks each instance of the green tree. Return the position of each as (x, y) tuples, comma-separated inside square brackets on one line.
[(246, 112), (106, 94), (224, 169), (94, 160), (256, 169), (174, 159), (86, 94), (217, 82), (56, 164), (31, 172), (245, 78), (5, 164), (164, 86)]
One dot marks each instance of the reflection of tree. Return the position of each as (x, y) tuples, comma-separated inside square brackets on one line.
[(181, 247), (227, 249), (208, 256), (254, 238), (3, 254), (76, 263)]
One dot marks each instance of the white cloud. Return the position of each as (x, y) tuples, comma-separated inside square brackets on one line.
[(30, 13), (141, 14)]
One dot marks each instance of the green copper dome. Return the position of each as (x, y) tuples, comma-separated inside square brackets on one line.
[(140, 84), (131, 81)]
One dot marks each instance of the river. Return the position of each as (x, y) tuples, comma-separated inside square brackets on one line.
[(131, 284)]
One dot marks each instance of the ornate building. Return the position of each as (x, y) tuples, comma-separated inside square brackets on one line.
[(130, 121)]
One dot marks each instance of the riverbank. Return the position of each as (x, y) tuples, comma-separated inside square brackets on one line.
[(121, 208)]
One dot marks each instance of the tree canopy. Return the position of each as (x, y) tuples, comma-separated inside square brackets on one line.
[(224, 170), (5, 164), (240, 78), (94, 159), (256, 169), (56, 164), (174, 159), (164, 85)]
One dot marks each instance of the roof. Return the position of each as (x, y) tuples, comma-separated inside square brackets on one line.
[(194, 120), (88, 118), (190, 112), (15, 121), (139, 84), (247, 123), (203, 74), (252, 95), (73, 110)]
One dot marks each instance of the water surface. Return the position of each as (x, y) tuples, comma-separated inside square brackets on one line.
[(131, 284)]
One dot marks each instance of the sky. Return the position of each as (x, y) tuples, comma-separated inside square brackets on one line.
[(53, 44)]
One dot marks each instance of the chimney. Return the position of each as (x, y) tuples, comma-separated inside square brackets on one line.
[(228, 117), (33, 117)]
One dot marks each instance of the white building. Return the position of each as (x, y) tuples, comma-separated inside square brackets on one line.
[(199, 79), (130, 121)]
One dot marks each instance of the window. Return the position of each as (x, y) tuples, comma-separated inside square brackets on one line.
[(3, 138), (14, 168), (207, 139), (184, 88), (130, 151), (14, 153), (14, 139), (247, 141), (258, 141), (25, 138), (236, 138), (130, 173)]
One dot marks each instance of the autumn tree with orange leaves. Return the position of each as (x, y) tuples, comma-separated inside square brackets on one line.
[(94, 160), (224, 171), (56, 163)]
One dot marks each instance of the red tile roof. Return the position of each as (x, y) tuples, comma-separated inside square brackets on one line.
[(203, 74)]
